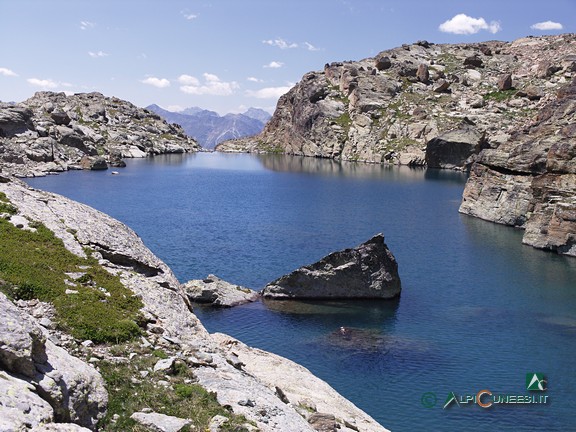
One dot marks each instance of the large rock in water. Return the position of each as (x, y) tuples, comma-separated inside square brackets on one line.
[(366, 271), (529, 181)]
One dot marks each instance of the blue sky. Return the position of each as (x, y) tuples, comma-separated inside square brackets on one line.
[(228, 55)]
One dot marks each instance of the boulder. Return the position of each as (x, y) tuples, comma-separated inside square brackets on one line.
[(453, 150), (155, 422), (20, 405), (383, 63), (422, 73), (93, 163), (14, 120), (60, 117), (73, 389), (505, 82), (217, 292), (366, 271), (473, 61)]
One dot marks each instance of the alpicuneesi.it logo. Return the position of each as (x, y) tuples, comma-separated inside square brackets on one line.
[(535, 382)]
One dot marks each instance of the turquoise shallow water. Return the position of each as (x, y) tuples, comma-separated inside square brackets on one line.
[(478, 309)]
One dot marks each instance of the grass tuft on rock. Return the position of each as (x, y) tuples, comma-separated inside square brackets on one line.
[(97, 306), (175, 395)]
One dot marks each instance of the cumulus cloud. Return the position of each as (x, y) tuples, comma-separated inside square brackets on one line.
[(280, 43), (7, 72), (43, 83), (254, 79), (156, 82), (97, 54), (274, 65), (189, 17), (188, 80), (547, 25), (311, 47), (47, 83), (464, 24), (85, 25), (211, 85), (268, 92)]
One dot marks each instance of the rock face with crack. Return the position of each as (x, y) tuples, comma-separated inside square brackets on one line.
[(529, 181), (366, 271)]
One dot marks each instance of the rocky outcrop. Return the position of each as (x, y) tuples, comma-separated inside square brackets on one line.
[(455, 149), (52, 132), (529, 181), (46, 384), (366, 271), (297, 387), (217, 292), (387, 109)]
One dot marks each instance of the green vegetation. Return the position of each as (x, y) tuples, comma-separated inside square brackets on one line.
[(34, 265), (181, 398), (270, 148), (5, 206), (500, 96)]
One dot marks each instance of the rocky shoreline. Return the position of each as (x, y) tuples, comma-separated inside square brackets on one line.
[(58, 377), (52, 132)]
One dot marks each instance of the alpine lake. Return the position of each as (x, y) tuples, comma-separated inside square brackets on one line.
[(478, 310)]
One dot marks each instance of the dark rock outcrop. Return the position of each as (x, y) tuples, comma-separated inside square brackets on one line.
[(529, 181), (365, 110), (366, 271), (52, 132), (455, 149)]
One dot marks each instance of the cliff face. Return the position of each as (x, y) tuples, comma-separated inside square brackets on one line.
[(52, 132), (391, 108), (530, 180)]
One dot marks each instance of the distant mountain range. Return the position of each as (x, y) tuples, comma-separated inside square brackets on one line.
[(209, 128)]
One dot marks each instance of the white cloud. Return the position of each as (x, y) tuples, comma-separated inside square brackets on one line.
[(254, 79), (97, 54), (274, 65), (156, 82), (212, 85), (463, 24), (43, 83), (188, 80), (7, 72), (85, 25), (547, 25), (190, 17), (268, 92), (311, 47), (280, 43)]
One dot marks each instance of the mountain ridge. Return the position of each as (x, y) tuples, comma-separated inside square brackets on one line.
[(209, 128)]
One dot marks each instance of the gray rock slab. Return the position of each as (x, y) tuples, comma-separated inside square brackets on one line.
[(218, 292), (160, 422)]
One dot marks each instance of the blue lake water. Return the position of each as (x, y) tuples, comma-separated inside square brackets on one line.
[(478, 309)]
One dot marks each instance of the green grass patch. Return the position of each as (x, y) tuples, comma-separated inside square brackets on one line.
[(500, 96), (5, 206), (182, 398), (34, 265)]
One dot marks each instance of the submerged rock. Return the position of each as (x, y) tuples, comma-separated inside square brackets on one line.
[(218, 292), (366, 271)]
